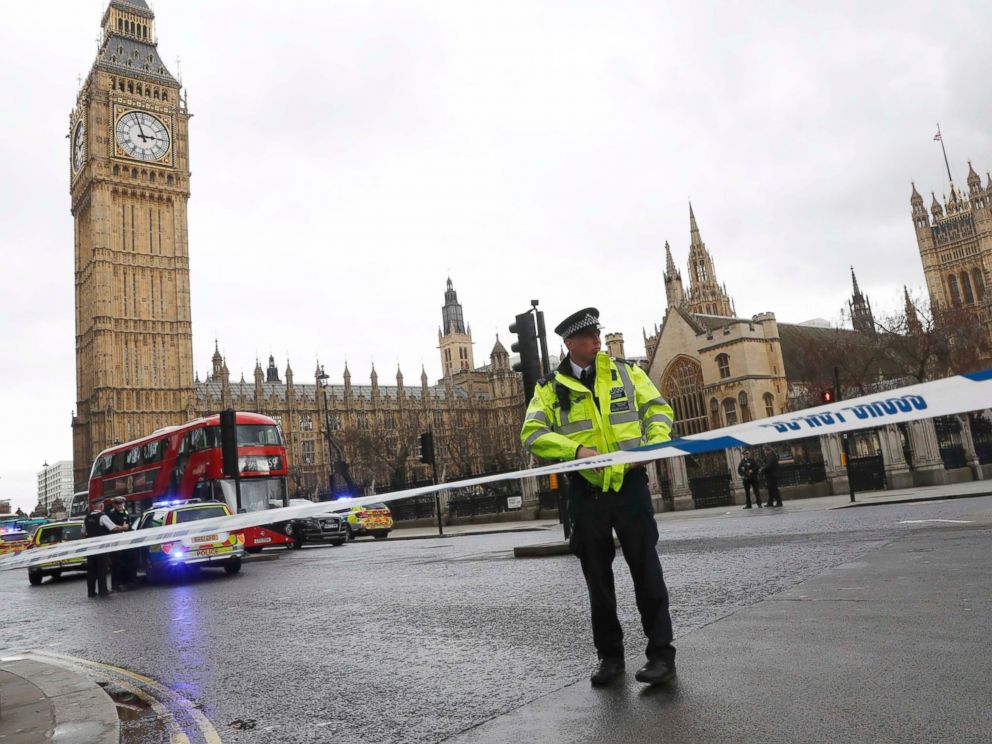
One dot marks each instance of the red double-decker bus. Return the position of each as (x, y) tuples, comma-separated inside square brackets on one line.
[(184, 462)]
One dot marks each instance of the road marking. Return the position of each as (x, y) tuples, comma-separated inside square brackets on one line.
[(207, 730), (946, 521)]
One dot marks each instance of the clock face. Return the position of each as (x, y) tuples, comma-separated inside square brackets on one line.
[(142, 135), (79, 146)]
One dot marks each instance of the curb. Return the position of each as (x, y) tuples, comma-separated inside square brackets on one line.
[(466, 534), (914, 500), (51, 703)]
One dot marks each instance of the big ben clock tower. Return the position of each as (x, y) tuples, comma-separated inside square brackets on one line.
[(129, 174)]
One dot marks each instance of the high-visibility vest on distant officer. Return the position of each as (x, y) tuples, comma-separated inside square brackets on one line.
[(624, 410)]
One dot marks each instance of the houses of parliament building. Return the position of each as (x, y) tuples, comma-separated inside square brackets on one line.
[(130, 184)]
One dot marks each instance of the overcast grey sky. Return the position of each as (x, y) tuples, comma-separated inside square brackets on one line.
[(347, 156)]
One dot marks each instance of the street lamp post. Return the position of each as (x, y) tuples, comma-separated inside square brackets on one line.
[(322, 381)]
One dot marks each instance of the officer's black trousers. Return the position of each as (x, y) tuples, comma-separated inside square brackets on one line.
[(96, 574), (750, 483), (595, 515), (774, 496)]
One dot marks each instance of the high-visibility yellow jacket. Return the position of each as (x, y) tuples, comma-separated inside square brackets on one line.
[(630, 413)]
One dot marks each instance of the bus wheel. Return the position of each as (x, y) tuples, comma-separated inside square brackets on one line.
[(254, 550), (233, 566), (35, 578)]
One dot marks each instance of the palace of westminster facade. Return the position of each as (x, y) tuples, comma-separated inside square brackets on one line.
[(130, 184)]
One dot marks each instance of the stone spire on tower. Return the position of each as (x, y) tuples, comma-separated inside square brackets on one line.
[(454, 337), (913, 325), (861, 317), (706, 296), (674, 291)]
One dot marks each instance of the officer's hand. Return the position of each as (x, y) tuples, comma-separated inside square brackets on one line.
[(587, 452)]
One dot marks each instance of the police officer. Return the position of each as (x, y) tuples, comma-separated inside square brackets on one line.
[(122, 571), (96, 524), (747, 469), (592, 404)]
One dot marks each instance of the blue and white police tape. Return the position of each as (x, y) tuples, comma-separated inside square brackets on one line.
[(945, 397)]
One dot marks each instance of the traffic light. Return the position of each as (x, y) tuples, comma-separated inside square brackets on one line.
[(827, 396), (427, 448), (229, 444), (526, 346)]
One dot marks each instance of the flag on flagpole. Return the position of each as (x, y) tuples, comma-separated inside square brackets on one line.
[(936, 137)]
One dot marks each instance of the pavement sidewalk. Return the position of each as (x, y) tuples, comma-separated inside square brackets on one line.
[(891, 648), (41, 703)]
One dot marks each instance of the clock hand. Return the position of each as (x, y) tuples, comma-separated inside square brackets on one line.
[(141, 132)]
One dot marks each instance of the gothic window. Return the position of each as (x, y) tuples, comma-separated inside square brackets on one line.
[(745, 411), (952, 287), (307, 453), (682, 387), (714, 413), (306, 422), (769, 404), (730, 411), (979, 284), (334, 421), (723, 362), (363, 421), (969, 298)]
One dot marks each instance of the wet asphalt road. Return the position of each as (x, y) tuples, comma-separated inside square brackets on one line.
[(414, 641)]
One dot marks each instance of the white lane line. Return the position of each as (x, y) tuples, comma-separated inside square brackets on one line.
[(946, 521)]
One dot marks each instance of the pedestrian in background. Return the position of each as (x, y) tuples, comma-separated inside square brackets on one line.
[(97, 524), (747, 469), (769, 469), (594, 404)]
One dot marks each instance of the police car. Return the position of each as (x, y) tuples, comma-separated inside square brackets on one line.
[(220, 549), (51, 534), (372, 519), (13, 540)]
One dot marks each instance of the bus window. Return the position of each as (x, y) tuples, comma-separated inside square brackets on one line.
[(258, 435), (80, 503), (133, 458), (118, 463), (155, 451)]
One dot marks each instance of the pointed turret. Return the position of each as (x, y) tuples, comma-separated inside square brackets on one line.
[(915, 200), (860, 308), (674, 290), (347, 381), (913, 325), (374, 379), (272, 373), (499, 356), (454, 337), (935, 208), (400, 392), (289, 374), (216, 361), (974, 181)]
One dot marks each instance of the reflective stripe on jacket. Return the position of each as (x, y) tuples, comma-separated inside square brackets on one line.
[(630, 413)]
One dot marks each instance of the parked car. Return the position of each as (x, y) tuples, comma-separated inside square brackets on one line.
[(322, 528), (371, 519), (222, 549), (51, 534), (13, 540)]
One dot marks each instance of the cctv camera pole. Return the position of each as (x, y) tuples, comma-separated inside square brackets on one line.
[(847, 447)]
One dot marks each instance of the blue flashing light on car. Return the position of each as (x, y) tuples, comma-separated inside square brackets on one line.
[(168, 502)]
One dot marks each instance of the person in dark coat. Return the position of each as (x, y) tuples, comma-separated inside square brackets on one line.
[(747, 469), (769, 469), (123, 572), (96, 524)]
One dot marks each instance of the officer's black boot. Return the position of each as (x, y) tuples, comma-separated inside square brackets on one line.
[(656, 672), (607, 671)]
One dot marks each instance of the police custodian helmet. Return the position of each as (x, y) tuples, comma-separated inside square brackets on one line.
[(586, 318)]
